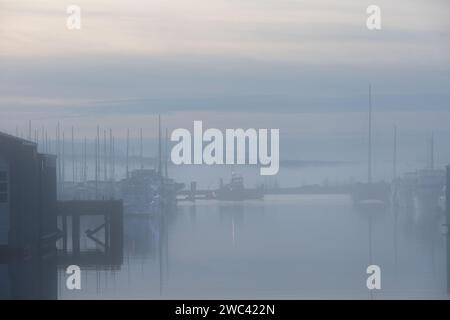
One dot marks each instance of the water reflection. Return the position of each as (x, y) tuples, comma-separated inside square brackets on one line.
[(232, 216), (282, 247)]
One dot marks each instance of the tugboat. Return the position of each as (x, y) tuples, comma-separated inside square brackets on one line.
[(146, 191), (140, 192), (235, 190)]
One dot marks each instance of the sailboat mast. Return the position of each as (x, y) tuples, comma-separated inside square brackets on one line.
[(141, 151), (432, 152), (73, 157), (97, 162), (394, 172), (128, 149), (166, 154), (369, 168), (85, 160), (159, 146)]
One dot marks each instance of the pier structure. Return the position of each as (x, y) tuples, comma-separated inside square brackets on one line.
[(92, 233)]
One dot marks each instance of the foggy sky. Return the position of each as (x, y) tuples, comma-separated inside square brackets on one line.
[(303, 66)]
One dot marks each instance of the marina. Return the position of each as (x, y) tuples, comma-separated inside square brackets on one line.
[(137, 228), (219, 157)]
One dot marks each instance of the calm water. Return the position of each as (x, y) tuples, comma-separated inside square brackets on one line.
[(282, 247)]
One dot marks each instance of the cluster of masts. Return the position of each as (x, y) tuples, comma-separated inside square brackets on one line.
[(97, 159)]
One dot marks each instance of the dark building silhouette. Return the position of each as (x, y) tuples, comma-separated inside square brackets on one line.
[(28, 265), (447, 209)]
